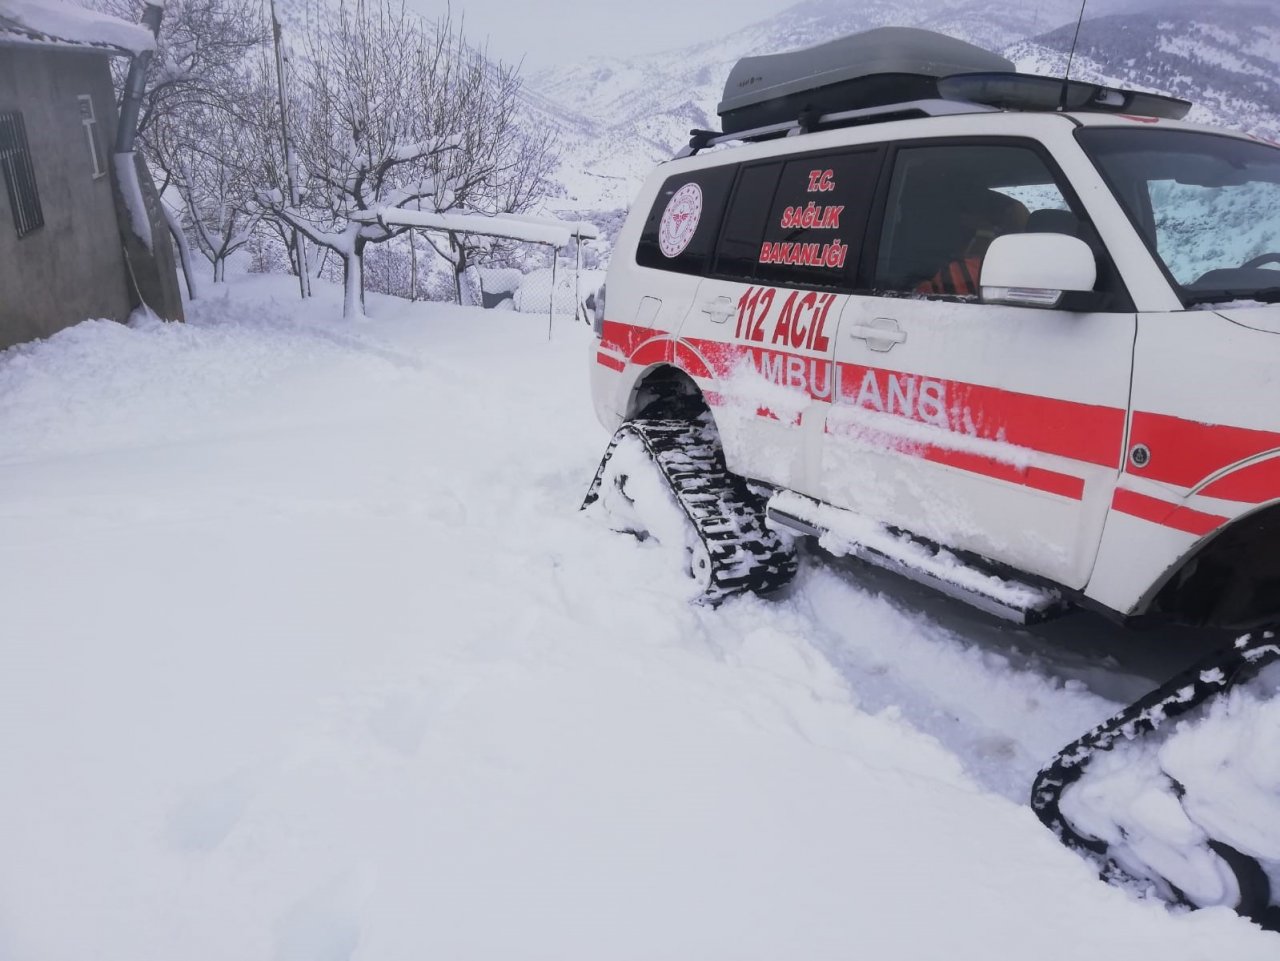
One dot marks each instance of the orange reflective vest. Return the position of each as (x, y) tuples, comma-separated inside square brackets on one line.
[(958, 278)]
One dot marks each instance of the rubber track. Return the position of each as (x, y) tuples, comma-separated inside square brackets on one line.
[(1208, 678), (729, 518)]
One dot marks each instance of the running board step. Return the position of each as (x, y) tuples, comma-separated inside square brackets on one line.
[(843, 532)]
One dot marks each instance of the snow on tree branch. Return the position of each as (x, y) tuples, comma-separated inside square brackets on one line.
[(396, 113), (534, 230), (386, 112)]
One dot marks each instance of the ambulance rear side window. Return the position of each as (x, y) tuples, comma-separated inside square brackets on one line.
[(813, 236), (738, 254), (680, 231)]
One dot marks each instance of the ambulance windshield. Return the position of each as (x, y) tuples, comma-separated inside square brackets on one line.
[(1207, 205)]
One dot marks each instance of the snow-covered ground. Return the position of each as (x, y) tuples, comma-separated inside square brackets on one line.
[(309, 656)]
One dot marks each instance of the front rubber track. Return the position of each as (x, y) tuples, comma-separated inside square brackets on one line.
[(726, 515)]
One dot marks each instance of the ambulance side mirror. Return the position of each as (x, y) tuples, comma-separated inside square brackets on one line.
[(1036, 270)]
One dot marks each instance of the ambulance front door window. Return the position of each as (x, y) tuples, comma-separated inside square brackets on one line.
[(947, 204)]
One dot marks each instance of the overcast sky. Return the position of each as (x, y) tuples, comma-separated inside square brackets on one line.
[(547, 33)]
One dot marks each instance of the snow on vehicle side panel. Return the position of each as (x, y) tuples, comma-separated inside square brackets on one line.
[(1201, 448), (1066, 431), (778, 385)]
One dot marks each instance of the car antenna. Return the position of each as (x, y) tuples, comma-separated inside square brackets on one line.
[(1066, 77)]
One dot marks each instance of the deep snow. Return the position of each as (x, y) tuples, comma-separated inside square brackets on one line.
[(309, 655)]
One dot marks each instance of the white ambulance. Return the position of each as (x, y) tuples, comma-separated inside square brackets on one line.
[(1013, 336)]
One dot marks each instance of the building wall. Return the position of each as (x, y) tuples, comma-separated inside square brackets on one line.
[(73, 267)]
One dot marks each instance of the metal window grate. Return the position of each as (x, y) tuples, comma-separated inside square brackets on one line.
[(19, 175)]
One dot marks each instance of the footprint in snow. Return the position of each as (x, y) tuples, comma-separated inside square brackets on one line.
[(325, 925), (206, 816), (996, 746), (400, 722)]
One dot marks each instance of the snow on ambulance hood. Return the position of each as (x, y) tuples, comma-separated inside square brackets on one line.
[(56, 23)]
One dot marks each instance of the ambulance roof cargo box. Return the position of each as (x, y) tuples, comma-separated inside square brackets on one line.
[(884, 66)]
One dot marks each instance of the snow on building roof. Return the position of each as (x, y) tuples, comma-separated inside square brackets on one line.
[(59, 24)]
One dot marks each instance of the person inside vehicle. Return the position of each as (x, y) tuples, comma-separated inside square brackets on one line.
[(981, 217)]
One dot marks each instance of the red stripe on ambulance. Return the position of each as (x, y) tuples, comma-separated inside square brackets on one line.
[(1251, 485), (610, 361), (1037, 478), (1160, 512), (1185, 452)]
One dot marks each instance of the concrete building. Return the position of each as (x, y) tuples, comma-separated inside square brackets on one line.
[(63, 256)]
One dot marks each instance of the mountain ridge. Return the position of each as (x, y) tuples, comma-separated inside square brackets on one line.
[(618, 118)]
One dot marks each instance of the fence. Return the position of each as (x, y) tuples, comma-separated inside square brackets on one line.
[(536, 292)]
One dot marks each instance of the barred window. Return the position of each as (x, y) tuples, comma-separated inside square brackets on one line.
[(19, 175)]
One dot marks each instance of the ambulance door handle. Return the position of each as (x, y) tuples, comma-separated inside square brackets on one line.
[(880, 334), (719, 309)]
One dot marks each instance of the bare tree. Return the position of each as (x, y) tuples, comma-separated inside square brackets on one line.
[(201, 50), (502, 166), (395, 113), (387, 112), (221, 206), (194, 86), (511, 181), (218, 156)]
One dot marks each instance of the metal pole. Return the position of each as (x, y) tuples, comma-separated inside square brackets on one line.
[(413, 267), (136, 83), (551, 305), (290, 158), (577, 274)]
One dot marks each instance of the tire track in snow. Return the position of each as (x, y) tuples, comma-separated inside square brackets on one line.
[(1004, 700)]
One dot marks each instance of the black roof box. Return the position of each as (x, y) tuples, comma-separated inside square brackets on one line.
[(882, 66)]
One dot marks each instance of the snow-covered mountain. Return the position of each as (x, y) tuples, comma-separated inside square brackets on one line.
[(617, 118), (1223, 58)]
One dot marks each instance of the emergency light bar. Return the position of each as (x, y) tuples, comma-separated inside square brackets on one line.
[(1025, 91)]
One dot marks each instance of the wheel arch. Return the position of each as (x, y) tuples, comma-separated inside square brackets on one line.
[(1231, 578), (665, 389)]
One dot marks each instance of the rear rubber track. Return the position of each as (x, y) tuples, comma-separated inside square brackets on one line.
[(724, 511), (1221, 670)]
